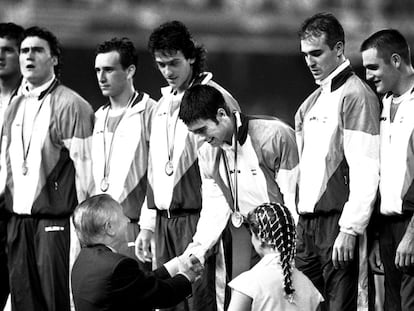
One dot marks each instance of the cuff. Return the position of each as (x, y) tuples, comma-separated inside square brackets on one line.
[(186, 276), (172, 266), (348, 231)]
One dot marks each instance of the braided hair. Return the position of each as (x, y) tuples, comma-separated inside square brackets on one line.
[(274, 226)]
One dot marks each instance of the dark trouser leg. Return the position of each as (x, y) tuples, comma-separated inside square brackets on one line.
[(4, 271), (316, 236), (26, 293), (52, 242), (38, 254), (307, 259), (399, 287), (341, 286), (172, 237)]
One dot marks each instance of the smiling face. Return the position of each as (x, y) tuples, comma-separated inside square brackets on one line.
[(320, 58), (9, 58), (36, 61), (215, 133), (384, 75), (112, 78), (175, 68)]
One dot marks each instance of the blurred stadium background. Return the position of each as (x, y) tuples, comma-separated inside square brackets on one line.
[(253, 49)]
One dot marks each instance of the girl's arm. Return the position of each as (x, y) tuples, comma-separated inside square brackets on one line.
[(240, 302)]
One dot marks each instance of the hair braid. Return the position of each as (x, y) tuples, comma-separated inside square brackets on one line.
[(286, 246), (275, 227)]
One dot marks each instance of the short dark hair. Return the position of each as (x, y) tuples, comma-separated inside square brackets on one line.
[(201, 102), (174, 36), (54, 44), (127, 52), (12, 31), (90, 217), (388, 42), (323, 23)]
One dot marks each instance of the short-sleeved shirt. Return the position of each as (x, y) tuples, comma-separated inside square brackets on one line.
[(264, 284)]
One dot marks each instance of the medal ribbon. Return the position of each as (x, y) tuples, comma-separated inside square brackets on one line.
[(26, 149), (170, 146), (108, 156), (233, 183)]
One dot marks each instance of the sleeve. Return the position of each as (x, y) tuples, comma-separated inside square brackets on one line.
[(154, 289), (76, 127), (3, 177), (147, 218), (360, 118), (245, 284), (3, 170), (148, 215), (299, 130), (286, 166), (3, 147), (214, 214), (149, 111)]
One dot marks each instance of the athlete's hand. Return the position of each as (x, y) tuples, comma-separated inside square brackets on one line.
[(343, 250), (375, 259), (404, 257), (143, 249)]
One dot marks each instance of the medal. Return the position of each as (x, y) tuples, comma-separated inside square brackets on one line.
[(169, 168), (25, 169), (237, 219), (104, 184)]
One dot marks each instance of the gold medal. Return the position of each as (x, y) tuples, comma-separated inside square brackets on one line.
[(25, 169), (237, 219), (169, 168), (104, 184)]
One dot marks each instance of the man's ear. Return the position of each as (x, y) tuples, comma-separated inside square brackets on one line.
[(54, 60), (396, 60), (109, 228), (339, 47), (131, 71), (221, 113)]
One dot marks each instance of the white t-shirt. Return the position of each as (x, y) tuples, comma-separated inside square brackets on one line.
[(264, 284)]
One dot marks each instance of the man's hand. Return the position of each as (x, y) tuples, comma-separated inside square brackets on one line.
[(343, 250), (375, 259), (194, 249), (404, 258), (143, 245), (191, 267)]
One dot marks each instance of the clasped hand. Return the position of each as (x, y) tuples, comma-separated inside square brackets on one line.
[(190, 266)]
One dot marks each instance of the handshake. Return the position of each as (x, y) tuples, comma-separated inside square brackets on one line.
[(190, 267)]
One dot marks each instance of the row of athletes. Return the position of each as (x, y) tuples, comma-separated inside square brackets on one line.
[(179, 191)]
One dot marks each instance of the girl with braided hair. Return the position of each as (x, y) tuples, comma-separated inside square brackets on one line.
[(273, 283)]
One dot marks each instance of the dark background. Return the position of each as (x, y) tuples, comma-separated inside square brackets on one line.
[(263, 84), (253, 48)]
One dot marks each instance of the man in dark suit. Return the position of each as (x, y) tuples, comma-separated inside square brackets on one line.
[(103, 279)]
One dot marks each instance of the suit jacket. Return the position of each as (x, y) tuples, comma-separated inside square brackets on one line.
[(104, 280)]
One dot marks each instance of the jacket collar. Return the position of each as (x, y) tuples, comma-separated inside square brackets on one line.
[(388, 94), (138, 97), (338, 77), (100, 246), (202, 78), (41, 91), (243, 129)]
